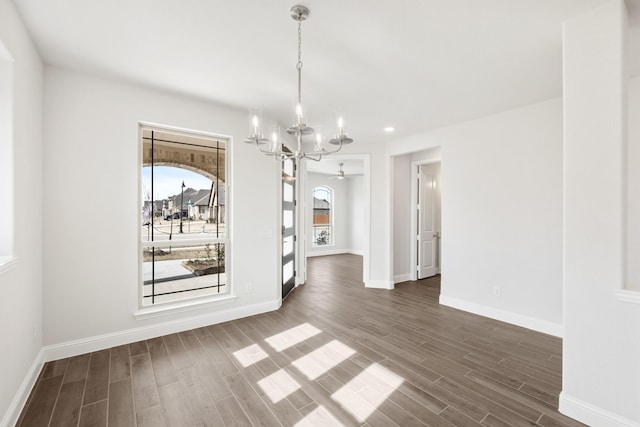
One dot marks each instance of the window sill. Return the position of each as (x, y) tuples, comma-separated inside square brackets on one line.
[(628, 296), (183, 306), (7, 263)]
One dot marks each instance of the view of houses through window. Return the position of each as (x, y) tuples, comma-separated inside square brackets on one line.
[(183, 216), (322, 216)]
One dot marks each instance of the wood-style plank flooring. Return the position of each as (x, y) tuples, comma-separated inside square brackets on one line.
[(334, 354)]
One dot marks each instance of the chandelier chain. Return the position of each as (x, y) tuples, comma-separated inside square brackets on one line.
[(299, 64)]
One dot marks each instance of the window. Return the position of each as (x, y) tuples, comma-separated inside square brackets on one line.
[(183, 234), (322, 216)]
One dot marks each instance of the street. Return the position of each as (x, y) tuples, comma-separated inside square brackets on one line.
[(163, 229)]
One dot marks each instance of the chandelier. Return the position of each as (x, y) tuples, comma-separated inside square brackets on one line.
[(273, 144)]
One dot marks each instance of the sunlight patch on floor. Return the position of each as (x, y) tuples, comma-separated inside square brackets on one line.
[(292, 336), (322, 359), (361, 401), (278, 385), (250, 355), (319, 416)]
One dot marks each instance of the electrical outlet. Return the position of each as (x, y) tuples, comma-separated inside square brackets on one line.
[(35, 333), (249, 287), (497, 291)]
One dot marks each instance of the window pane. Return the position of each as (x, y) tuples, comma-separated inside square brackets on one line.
[(287, 219), (287, 271), (202, 200), (287, 167), (287, 245), (322, 235), (183, 271), (168, 229), (322, 216), (287, 192)]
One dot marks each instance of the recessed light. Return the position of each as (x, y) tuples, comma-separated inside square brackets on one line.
[(389, 129)]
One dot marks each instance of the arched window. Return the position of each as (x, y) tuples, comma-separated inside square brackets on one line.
[(322, 216)]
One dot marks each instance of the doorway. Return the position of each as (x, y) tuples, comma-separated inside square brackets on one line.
[(426, 203), (338, 222)]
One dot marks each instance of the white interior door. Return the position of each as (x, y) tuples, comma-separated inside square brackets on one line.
[(427, 233)]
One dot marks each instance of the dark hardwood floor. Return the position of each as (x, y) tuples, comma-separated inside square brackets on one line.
[(334, 354)]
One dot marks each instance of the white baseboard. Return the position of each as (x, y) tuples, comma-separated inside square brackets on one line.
[(326, 252), (101, 342), (539, 325), (20, 399), (379, 284), (590, 414), (334, 252), (401, 278)]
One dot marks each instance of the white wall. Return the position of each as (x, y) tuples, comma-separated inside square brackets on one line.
[(401, 205), (379, 272), (355, 213), (21, 285), (632, 280), (502, 213), (430, 155), (601, 346), (91, 263), (6, 148)]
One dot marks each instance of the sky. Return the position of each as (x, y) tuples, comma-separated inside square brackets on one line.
[(321, 193), (167, 181)]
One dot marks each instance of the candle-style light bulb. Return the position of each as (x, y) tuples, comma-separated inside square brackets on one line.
[(318, 141), (340, 126), (299, 113), (274, 141), (255, 123)]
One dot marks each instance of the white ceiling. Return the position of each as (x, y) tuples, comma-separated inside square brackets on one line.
[(413, 64), (331, 165)]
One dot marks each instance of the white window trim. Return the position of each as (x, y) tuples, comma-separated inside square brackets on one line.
[(195, 303), (169, 308)]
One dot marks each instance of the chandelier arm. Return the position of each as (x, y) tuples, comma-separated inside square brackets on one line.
[(278, 154), (269, 152), (310, 156), (260, 149), (339, 147)]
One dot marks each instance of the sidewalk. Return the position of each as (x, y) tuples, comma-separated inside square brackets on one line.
[(165, 270)]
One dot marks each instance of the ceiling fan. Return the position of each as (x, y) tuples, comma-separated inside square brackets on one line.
[(340, 174)]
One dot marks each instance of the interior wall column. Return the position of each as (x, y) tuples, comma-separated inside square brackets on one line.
[(601, 347)]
